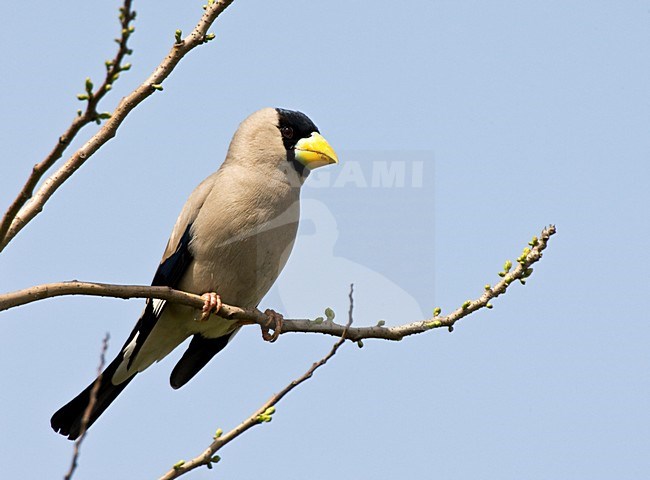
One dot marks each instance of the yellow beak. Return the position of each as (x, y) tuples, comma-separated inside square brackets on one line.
[(314, 152)]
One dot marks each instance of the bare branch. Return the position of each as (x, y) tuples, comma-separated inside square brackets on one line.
[(262, 415), (113, 69), (89, 408), (181, 47), (50, 290), (520, 273)]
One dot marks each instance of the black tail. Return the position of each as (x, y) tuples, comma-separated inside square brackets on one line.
[(198, 354), (67, 420)]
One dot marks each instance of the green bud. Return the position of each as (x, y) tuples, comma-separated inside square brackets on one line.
[(125, 67), (78, 113), (507, 266), (131, 29), (108, 87), (489, 305), (467, 304), (524, 254), (523, 282), (360, 343), (115, 77), (534, 242), (209, 465), (104, 115), (434, 324), (129, 51), (177, 35), (82, 96), (451, 328), (208, 37), (215, 459), (318, 320), (329, 313), (89, 85), (108, 64), (157, 86), (218, 433), (436, 311), (263, 418), (502, 274), (179, 464), (487, 287), (270, 410), (381, 323)]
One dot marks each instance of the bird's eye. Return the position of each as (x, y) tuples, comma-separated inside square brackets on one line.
[(287, 132)]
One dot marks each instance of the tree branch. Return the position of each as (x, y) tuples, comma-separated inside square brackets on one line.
[(181, 47), (113, 69), (521, 272), (89, 408), (262, 415), (74, 287)]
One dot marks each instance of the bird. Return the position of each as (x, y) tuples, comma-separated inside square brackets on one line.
[(229, 244)]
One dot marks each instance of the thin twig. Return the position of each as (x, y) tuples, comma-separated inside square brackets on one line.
[(114, 67), (89, 408), (519, 273), (261, 415), (197, 37)]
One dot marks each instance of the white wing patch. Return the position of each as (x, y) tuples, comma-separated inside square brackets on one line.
[(128, 350), (123, 371), (158, 306)]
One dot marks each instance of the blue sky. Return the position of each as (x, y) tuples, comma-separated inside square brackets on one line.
[(502, 117)]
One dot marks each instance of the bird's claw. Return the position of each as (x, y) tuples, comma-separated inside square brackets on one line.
[(212, 304), (274, 321)]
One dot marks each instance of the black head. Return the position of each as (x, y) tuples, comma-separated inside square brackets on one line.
[(293, 126), (306, 148)]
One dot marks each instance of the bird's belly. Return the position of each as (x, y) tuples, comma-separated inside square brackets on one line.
[(243, 269)]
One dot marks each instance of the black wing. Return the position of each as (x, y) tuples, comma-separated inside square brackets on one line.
[(169, 274), (67, 420)]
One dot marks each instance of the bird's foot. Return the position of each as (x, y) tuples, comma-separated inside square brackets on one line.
[(274, 321), (212, 304)]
